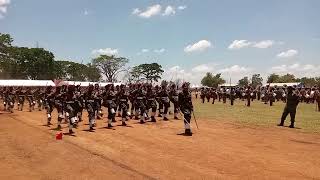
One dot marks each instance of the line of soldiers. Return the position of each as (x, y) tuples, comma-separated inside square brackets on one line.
[(267, 94), (139, 101)]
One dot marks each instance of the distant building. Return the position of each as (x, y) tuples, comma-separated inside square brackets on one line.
[(283, 84), (228, 85)]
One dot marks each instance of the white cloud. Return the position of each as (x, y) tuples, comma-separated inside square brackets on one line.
[(235, 69), (106, 51), (198, 46), (3, 7), (288, 54), (86, 12), (162, 50), (238, 44), (156, 9), (308, 70), (203, 68), (182, 7), (149, 12), (263, 44), (136, 11), (144, 50), (169, 11), (195, 74)]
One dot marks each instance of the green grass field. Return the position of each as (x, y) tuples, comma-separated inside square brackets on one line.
[(307, 118)]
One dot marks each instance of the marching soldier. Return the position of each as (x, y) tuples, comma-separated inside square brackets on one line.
[(21, 98), (58, 104), (158, 98), (186, 107), (49, 103), (165, 101), (174, 95), (109, 102), (202, 94), (232, 96), (123, 104), (31, 101), (140, 106), (248, 95), (214, 95), (151, 102), (291, 107), (91, 106), (70, 106)]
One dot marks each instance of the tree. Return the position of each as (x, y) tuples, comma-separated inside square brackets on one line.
[(211, 80), (93, 73), (256, 80), (287, 78), (273, 78), (150, 72), (73, 71), (110, 66), (244, 82), (39, 64)]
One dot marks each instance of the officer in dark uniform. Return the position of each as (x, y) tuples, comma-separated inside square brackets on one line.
[(49, 103), (203, 94), (158, 98), (91, 106), (140, 103), (70, 106), (123, 103), (151, 102), (232, 96), (58, 104), (109, 98), (21, 98), (186, 107), (291, 107), (165, 101), (248, 95), (174, 95), (30, 97)]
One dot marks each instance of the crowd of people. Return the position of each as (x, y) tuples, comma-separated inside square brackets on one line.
[(266, 94), (142, 102)]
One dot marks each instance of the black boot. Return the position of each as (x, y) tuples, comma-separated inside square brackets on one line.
[(281, 123), (188, 132), (142, 122), (165, 119), (70, 131), (124, 123), (176, 118), (291, 125), (153, 119), (91, 129), (110, 126)]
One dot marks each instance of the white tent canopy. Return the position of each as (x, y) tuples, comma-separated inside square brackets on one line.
[(43, 83), (282, 84), (29, 83)]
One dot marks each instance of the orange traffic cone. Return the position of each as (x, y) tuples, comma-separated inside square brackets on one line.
[(59, 136)]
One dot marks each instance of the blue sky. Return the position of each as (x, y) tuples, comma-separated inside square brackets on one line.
[(187, 37)]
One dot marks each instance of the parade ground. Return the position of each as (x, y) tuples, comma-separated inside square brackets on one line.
[(236, 142)]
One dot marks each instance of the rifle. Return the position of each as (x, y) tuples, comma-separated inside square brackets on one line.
[(195, 120)]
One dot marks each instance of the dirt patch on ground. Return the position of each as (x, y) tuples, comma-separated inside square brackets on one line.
[(28, 150)]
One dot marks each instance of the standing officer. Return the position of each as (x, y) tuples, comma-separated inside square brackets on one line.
[(186, 107), (291, 107)]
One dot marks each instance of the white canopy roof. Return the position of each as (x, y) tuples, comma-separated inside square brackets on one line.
[(43, 83), (26, 83), (283, 84)]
